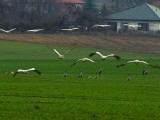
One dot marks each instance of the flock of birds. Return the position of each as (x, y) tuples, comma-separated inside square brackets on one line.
[(61, 56), (131, 26), (86, 60), (11, 30), (71, 29), (64, 29)]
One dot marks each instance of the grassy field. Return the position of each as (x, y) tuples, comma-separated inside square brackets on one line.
[(51, 96)]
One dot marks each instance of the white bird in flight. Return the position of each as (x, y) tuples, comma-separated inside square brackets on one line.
[(69, 29), (61, 56), (35, 30), (132, 26), (8, 31), (83, 60), (26, 71), (135, 62), (103, 57), (97, 25)]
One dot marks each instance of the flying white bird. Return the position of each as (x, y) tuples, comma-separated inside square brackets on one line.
[(35, 30), (104, 57), (61, 56), (26, 71), (8, 31), (97, 25), (132, 26), (133, 61), (83, 60), (70, 29)]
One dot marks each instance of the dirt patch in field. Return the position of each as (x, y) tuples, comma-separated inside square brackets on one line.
[(133, 43)]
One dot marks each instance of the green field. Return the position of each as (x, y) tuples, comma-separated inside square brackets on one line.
[(50, 96)]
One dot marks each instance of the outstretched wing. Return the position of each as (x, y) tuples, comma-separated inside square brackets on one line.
[(37, 71), (91, 54), (89, 60), (155, 66), (144, 62), (2, 30), (57, 52), (15, 74), (74, 63), (121, 65), (11, 30), (98, 53), (117, 57), (67, 52)]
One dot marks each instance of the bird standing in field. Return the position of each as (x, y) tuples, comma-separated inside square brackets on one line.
[(8, 31), (80, 75), (83, 60), (98, 73), (26, 71), (104, 57), (129, 77), (135, 62)]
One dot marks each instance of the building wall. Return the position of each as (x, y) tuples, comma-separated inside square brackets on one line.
[(153, 26)]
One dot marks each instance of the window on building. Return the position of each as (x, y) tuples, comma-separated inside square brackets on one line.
[(143, 26)]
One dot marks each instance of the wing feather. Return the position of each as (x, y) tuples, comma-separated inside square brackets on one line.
[(117, 57), (67, 52), (121, 65), (37, 71), (15, 74), (98, 53), (12, 30), (90, 60), (57, 52), (91, 54), (74, 63)]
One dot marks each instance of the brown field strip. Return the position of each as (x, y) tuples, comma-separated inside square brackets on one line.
[(133, 43)]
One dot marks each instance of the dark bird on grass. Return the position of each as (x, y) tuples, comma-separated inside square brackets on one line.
[(136, 62), (26, 71), (80, 75), (83, 60), (8, 31), (103, 57), (65, 74), (144, 72), (98, 73)]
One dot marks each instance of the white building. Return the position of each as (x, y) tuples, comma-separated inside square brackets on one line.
[(143, 17)]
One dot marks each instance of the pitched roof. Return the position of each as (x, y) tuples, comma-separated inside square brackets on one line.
[(141, 12), (71, 1)]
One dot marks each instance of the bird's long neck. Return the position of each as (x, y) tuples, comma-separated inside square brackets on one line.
[(31, 69)]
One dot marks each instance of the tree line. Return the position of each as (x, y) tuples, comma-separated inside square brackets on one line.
[(49, 13)]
